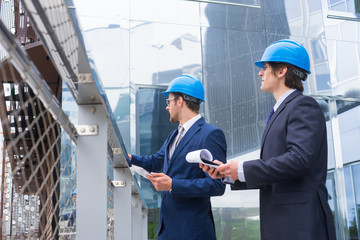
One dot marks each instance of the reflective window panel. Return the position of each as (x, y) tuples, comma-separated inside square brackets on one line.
[(234, 101), (153, 128), (153, 120), (352, 206), (161, 52), (231, 16), (356, 180), (236, 213), (151, 42), (349, 126), (343, 5), (332, 199), (325, 109), (165, 11)]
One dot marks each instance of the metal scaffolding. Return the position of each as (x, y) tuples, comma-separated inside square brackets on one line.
[(60, 179)]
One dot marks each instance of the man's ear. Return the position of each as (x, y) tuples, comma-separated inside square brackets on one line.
[(282, 71), (180, 100)]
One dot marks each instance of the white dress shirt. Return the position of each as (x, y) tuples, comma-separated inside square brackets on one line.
[(186, 127)]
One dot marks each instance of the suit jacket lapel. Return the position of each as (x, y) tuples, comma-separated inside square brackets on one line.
[(167, 160), (276, 114), (184, 141)]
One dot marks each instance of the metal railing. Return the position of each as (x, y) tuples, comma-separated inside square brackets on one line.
[(60, 180)]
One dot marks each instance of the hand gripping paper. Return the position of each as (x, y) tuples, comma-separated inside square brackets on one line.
[(203, 156)]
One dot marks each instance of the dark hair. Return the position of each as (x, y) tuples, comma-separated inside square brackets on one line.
[(294, 75), (195, 107)]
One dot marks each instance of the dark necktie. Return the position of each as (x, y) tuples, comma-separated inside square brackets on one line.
[(268, 118)]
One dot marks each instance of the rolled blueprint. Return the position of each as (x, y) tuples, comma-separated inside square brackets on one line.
[(203, 156)]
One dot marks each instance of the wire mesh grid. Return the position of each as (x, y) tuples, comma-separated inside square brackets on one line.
[(58, 16), (38, 173), (54, 25), (38, 177)]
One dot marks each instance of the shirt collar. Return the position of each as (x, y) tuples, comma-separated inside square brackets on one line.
[(191, 122), (282, 98)]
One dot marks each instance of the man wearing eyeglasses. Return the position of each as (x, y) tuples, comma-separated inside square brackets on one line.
[(185, 211)]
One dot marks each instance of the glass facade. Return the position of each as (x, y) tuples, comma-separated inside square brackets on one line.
[(138, 46)]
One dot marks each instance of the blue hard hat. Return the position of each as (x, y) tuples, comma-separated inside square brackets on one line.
[(74, 192), (188, 85), (287, 51)]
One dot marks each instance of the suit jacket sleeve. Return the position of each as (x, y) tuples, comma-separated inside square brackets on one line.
[(237, 185), (152, 163), (292, 145), (202, 185)]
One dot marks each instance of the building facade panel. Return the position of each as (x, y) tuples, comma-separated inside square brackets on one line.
[(157, 41)]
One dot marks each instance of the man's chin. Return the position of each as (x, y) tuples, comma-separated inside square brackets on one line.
[(264, 89)]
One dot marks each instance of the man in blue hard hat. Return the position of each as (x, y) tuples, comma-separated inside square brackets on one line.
[(292, 168), (185, 211)]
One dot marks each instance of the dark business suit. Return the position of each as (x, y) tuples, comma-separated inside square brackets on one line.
[(186, 212), (291, 173)]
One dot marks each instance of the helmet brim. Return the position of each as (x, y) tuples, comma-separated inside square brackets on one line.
[(259, 64), (166, 93)]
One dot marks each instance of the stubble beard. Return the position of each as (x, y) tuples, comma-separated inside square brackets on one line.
[(172, 119)]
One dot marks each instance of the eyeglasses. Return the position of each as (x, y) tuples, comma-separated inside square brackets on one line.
[(169, 99)]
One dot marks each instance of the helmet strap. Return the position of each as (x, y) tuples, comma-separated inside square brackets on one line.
[(300, 74), (191, 99)]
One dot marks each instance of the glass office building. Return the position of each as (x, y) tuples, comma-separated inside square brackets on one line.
[(138, 46)]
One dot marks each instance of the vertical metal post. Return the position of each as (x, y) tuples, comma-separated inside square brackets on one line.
[(144, 220), (341, 203), (3, 166), (138, 210), (91, 221), (122, 205), (139, 218)]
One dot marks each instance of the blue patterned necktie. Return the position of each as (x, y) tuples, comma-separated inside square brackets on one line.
[(268, 118)]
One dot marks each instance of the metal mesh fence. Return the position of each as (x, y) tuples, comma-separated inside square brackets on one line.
[(38, 177), (55, 26), (38, 167)]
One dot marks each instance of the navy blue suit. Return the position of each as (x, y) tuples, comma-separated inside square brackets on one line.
[(186, 212), (291, 173)]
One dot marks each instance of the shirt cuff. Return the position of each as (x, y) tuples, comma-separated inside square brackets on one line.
[(241, 174), (227, 180)]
